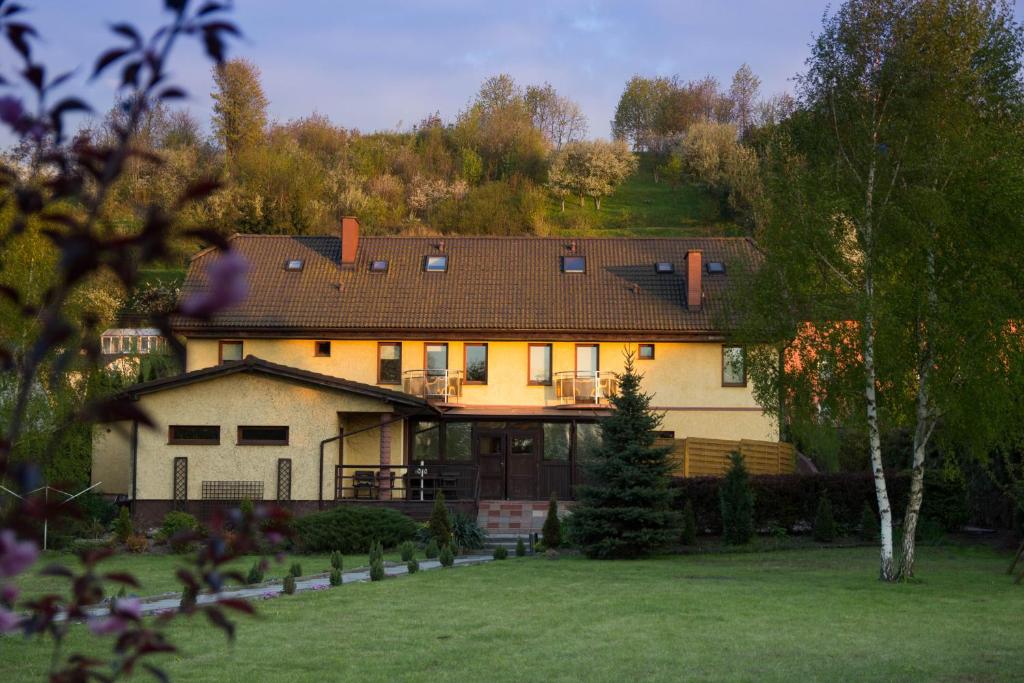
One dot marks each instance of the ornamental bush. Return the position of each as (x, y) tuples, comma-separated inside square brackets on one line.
[(295, 570), (737, 503), (123, 525), (440, 524), (407, 550), (520, 547), (255, 574), (412, 566), (137, 543), (824, 522), (447, 557), (466, 531), (175, 525), (377, 570), (376, 552), (552, 525), (289, 585), (689, 535), (501, 553), (337, 560), (351, 530), (431, 551), (335, 577)]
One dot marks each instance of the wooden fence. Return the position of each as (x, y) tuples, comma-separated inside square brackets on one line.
[(696, 457)]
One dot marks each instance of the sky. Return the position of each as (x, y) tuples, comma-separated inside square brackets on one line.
[(383, 65)]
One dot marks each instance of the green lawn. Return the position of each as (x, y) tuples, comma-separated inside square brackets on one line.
[(640, 207), (156, 572), (798, 615)]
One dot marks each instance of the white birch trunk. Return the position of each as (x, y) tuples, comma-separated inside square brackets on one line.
[(887, 566)]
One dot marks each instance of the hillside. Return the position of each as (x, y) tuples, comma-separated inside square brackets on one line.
[(642, 207)]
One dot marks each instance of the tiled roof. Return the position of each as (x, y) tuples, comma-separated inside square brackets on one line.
[(508, 285)]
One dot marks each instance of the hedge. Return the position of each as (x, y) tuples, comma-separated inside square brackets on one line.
[(790, 501), (352, 529)]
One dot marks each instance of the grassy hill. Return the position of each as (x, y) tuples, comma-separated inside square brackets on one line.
[(642, 207)]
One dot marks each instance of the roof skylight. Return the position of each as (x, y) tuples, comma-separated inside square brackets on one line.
[(436, 264), (664, 267), (379, 266), (293, 264), (574, 264), (716, 268)]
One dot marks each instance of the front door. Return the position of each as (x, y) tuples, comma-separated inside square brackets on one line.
[(522, 464), (490, 451)]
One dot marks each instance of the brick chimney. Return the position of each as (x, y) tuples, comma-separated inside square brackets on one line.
[(349, 241), (694, 290)]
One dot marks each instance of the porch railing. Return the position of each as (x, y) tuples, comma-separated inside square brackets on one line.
[(404, 482), (433, 385), (593, 387)]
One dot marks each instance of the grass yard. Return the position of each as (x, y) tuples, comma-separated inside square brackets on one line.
[(156, 572), (642, 208), (798, 615)]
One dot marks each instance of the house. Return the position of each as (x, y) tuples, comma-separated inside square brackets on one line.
[(382, 370)]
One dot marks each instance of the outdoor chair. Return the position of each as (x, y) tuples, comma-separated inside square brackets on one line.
[(364, 480)]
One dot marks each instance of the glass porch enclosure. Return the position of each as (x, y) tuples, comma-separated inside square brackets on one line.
[(511, 459)]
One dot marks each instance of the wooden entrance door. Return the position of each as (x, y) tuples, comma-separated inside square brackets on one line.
[(490, 453), (523, 461)]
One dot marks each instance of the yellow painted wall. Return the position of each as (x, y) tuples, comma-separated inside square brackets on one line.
[(111, 457), (682, 377), (245, 399)]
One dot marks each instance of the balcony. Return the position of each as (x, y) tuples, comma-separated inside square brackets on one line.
[(433, 385), (585, 387)]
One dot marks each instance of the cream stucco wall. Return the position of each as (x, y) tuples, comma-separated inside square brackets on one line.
[(685, 379), (311, 413), (111, 457)]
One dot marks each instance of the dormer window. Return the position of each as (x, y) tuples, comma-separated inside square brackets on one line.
[(436, 264), (380, 266), (716, 268), (293, 264), (574, 264), (664, 267)]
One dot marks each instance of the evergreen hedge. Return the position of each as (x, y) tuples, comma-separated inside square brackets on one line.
[(351, 530)]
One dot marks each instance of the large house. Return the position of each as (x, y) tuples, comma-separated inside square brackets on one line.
[(385, 369)]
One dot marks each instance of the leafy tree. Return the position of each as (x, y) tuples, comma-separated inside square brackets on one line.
[(552, 525), (743, 96), (892, 202), (737, 503), (591, 169), (557, 117), (625, 508), (239, 105), (638, 110)]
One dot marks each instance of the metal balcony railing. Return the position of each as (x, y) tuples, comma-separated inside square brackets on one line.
[(433, 385), (592, 387)]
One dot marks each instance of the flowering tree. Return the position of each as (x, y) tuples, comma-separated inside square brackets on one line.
[(62, 192)]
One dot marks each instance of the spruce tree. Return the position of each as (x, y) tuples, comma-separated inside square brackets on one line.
[(552, 525), (737, 501), (440, 522), (625, 508)]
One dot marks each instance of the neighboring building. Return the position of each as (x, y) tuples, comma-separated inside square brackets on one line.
[(387, 368), (122, 347)]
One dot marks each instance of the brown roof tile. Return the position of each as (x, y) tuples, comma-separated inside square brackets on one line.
[(510, 285)]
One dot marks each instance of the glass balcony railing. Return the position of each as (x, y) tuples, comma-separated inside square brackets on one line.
[(576, 387), (433, 385)]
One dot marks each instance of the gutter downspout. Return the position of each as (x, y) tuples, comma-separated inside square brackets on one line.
[(134, 460)]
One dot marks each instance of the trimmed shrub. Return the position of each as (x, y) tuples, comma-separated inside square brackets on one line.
[(466, 532), (175, 525), (137, 543), (407, 550), (868, 529), (501, 553), (440, 524), (295, 570), (123, 527), (377, 570), (447, 557), (289, 585), (689, 535), (188, 598), (552, 526), (520, 547), (376, 552), (737, 503), (824, 522), (335, 578), (255, 574), (246, 507), (431, 551), (412, 566), (351, 530), (84, 545), (337, 560)]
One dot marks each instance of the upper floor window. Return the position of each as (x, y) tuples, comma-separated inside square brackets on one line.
[(436, 264), (539, 371), (230, 350), (476, 363), (734, 366), (436, 357), (193, 435), (322, 348), (389, 363), (646, 352), (574, 264), (262, 436), (587, 358)]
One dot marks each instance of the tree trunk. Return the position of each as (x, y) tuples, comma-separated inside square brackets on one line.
[(597, 203), (581, 201), (563, 204), (887, 567)]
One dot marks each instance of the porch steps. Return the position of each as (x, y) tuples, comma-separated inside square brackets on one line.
[(507, 541), (505, 521)]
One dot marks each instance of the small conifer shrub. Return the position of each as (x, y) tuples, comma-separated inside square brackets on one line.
[(407, 551), (737, 502), (337, 559), (412, 565), (431, 551), (377, 570), (824, 522), (447, 557), (123, 525), (440, 524), (255, 574), (295, 570), (289, 585), (552, 525), (376, 552), (335, 577), (501, 553), (869, 530), (520, 547), (689, 536)]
